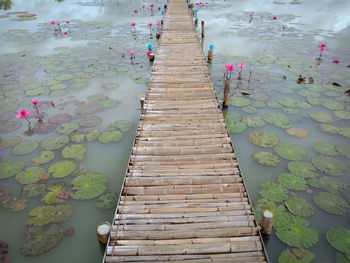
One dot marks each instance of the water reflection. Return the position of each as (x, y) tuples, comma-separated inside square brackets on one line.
[(5, 4)]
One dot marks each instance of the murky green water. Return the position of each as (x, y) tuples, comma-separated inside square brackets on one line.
[(93, 58)]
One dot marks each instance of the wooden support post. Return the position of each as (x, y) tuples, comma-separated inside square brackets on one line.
[(203, 30), (142, 102), (102, 232), (164, 7), (161, 22), (157, 35), (190, 6), (151, 57), (227, 93), (266, 222), (210, 55), (196, 22)]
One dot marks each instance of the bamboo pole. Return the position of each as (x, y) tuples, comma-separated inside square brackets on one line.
[(226, 93), (203, 29)]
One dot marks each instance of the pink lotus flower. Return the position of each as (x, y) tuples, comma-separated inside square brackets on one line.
[(158, 24), (52, 22), (66, 33), (143, 6), (67, 22), (229, 68), (131, 53), (136, 11), (274, 18), (336, 61), (159, 8), (133, 24), (150, 24), (149, 53), (242, 65), (58, 23), (35, 101), (151, 5), (23, 114), (251, 14), (322, 48)]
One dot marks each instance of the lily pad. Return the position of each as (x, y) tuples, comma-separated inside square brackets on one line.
[(329, 128), (339, 238), (74, 151), (325, 148), (23, 18), (10, 168), (110, 86), (107, 104), (299, 206), (265, 158), (273, 191), (264, 204), (45, 157), (342, 114), (62, 169), (254, 122), (32, 190), (344, 132), (39, 240), (249, 109), (6, 197), (41, 215), (278, 119), (303, 169), (54, 143), (92, 135), (309, 94), (290, 151), (297, 132), (9, 126), (77, 137), (30, 175), (60, 118), (344, 149), (10, 141), (258, 104), (321, 117), (63, 212), (43, 128), (112, 136), (291, 110), (331, 184), (239, 101), (331, 203), (7, 115), (68, 128), (18, 205), (296, 255), (90, 121), (107, 201), (89, 185), (297, 234), (99, 97), (332, 104), (292, 181), (120, 125), (232, 117), (64, 76), (90, 108), (329, 165), (292, 103), (264, 139), (274, 104), (236, 127), (52, 192), (25, 147)]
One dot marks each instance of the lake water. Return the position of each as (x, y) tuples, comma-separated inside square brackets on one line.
[(92, 81)]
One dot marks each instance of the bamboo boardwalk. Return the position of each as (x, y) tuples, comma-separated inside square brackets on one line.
[(183, 198)]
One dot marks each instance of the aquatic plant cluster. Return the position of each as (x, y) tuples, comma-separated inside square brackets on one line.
[(56, 110), (294, 110)]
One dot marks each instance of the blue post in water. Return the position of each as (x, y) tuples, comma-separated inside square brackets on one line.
[(150, 47), (162, 12), (195, 13), (210, 53)]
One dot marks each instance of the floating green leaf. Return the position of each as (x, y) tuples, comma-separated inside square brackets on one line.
[(68, 127), (30, 175), (274, 104), (299, 206), (236, 127), (254, 122), (62, 169), (90, 121), (107, 201), (264, 139), (107, 104), (321, 117), (303, 169), (332, 104), (329, 128), (10, 168), (74, 151), (329, 165), (292, 103), (291, 110), (9, 126), (90, 185), (309, 94), (63, 212), (39, 240), (232, 117), (331, 203), (45, 157), (10, 141), (273, 191), (278, 120), (23, 18), (110, 86), (339, 238), (25, 147), (112, 136), (297, 132), (249, 109), (290, 151), (92, 135), (265, 158), (296, 255), (292, 181), (120, 125), (332, 184), (344, 149), (51, 192), (342, 114), (344, 132), (239, 101), (32, 190), (54, 143), (296, 234), (41, 215), (325, 148), (77, 137)]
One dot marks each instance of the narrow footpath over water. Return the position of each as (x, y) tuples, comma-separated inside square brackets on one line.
[(183, 198)]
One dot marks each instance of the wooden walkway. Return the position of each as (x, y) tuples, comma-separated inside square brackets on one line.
[(183, 198)]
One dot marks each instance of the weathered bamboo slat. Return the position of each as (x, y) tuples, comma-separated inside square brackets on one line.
[(183, 198)]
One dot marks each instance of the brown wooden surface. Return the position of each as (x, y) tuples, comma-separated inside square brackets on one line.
[(183, 198)]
